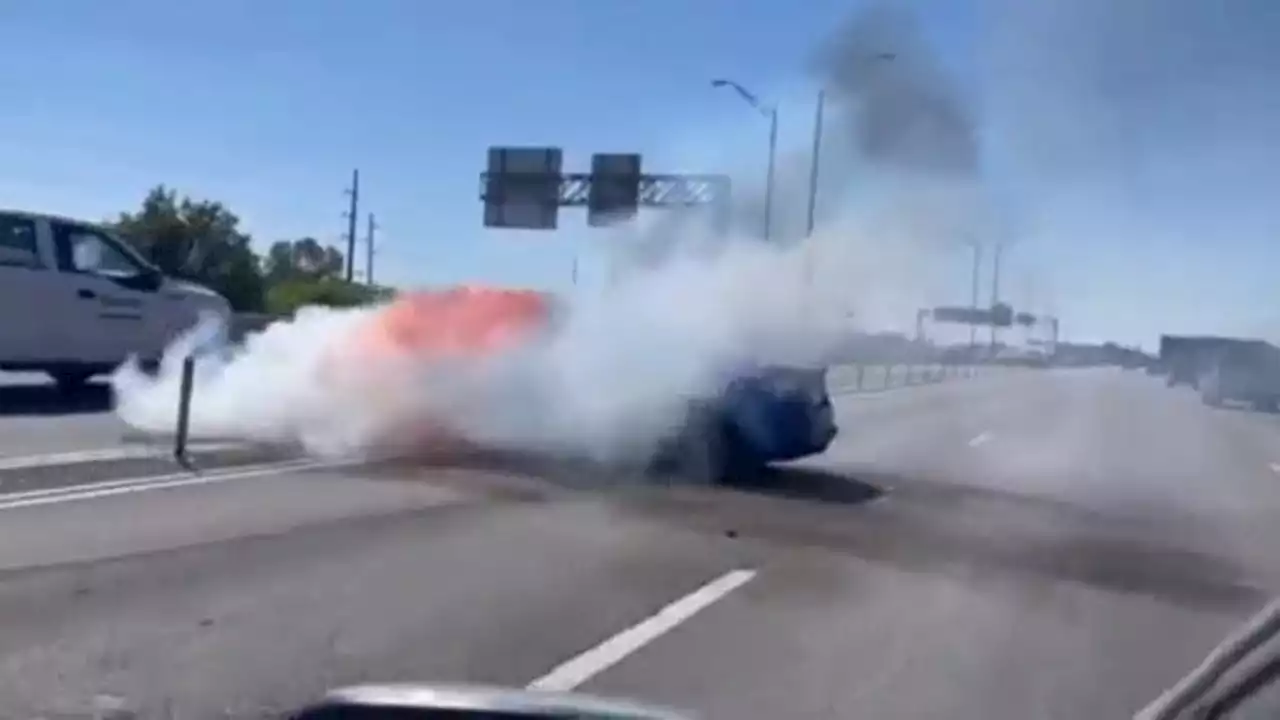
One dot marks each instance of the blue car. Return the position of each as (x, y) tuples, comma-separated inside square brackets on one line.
[(767, 415)]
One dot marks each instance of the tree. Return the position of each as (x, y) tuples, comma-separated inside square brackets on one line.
[(304, 259), (287, 297), (199, 241)]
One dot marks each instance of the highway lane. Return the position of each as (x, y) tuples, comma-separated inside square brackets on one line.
[(50, 439), (1042, 545), (1090, 549), (36, 418)]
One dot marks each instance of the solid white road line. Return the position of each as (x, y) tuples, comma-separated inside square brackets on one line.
[(577, 670), (108, 454), (141, 480), (980, 439), (89, 491)]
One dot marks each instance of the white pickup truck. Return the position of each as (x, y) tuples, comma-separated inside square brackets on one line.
[(76, 301)]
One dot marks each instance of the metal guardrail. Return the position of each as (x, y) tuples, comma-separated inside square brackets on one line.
[(877, 377)]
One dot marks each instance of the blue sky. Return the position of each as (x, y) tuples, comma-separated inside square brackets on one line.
[(267, 105)]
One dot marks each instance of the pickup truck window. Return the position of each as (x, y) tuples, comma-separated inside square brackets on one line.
[(18, 242), (85, 250)]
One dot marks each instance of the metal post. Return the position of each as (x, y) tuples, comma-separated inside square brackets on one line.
[(184, 410), (768, 188)]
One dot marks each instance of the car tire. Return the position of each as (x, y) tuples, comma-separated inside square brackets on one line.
[(704, 452), (702, 455), (149, 366)]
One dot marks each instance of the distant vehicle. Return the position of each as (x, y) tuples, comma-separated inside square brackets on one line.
[(1178, 360), (1247, 371), (1186, 358), (75, 301)]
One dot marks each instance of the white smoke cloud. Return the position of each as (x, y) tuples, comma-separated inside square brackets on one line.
[(611, 379)]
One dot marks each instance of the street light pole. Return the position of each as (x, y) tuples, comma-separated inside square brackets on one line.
[(819, 113), (814, 164), (973, 299), (771, 113), (768, 183), (811, 218)]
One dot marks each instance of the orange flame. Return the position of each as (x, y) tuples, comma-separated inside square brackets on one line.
[(422, 327), (451, 324)]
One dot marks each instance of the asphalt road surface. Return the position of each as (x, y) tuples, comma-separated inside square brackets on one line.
[(1037, 545), (61, 439)]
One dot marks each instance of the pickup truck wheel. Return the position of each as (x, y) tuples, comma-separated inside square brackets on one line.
[(149, 366), (71, 381)]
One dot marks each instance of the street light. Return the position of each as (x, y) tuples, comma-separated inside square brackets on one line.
[(995, 288), (819, 112), (818, 115), (770, 112), (973, 299)]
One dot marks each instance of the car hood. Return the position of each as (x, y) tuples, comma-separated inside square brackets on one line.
[(189, 288)]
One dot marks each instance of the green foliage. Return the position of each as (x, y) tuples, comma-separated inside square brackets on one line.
[(286, 297), (201, 241)]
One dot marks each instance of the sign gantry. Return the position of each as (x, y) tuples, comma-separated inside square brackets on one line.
[(525, 187)]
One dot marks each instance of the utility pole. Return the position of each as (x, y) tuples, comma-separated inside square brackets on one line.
[(369, 250), (354, 192)]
